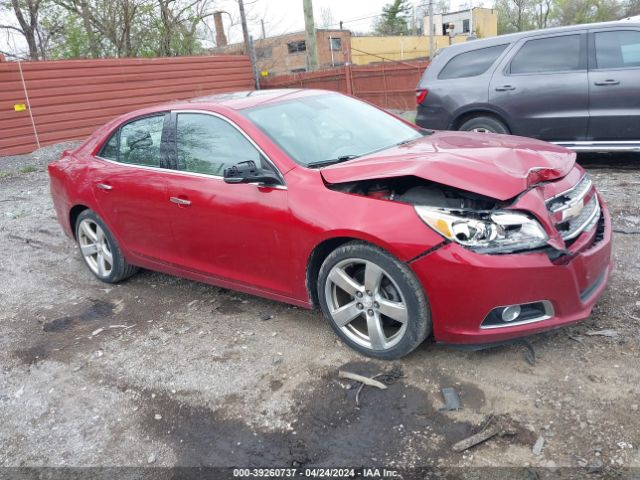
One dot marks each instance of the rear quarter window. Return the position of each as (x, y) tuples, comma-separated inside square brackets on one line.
[(471, 64)]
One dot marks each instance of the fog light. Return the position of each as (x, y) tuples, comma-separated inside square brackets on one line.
[(509, 314)]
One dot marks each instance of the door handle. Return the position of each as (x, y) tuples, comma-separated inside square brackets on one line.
[(505, 88), (104, 186), (608, 82), (180, 201)]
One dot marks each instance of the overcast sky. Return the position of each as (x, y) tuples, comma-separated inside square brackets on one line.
[(281, 16), (286, 15)]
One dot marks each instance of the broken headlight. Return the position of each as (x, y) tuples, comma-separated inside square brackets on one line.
[(486, 231)]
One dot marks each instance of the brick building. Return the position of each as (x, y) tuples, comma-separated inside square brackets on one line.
[(287, 53)]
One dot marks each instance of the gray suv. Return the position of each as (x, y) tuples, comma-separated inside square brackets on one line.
[(576, 86)]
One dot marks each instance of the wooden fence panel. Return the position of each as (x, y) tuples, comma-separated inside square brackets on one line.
[(71, 98), (388, 85)]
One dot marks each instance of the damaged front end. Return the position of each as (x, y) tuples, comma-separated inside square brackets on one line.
[(476, 222)]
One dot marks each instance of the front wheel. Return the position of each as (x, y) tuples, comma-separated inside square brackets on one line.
[(372, 301)]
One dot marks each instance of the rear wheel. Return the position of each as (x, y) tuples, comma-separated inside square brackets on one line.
[(372, 301), (484, 125), (99, 249)]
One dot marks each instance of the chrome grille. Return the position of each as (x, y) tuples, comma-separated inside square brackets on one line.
[(575, 211), (566, 200)]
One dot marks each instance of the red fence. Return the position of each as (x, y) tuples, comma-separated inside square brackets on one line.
[(389, 85), (70, 99)]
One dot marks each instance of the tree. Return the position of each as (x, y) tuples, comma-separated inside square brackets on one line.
[(130, 28), (632, 8), (27, 13), (515, 15), (393, 20), (569, 12), (519, 15), (326, 18)]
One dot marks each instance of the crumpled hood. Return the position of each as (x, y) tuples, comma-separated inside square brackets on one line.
[(497, 166)]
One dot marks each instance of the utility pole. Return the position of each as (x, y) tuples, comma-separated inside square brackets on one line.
[(254, 62), (430, 30), (245, 30), (312, 48), (264, 33)]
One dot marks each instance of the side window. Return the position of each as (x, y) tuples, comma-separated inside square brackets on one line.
[(617, 49), (140, 141), (110, 149), (471, 64), (208, 144), (553, 54)]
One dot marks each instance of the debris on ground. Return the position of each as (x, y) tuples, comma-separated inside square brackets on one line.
[(97, 332), (451, 400), (362, 379), (529, 353), (494, 426), (607, 332), (19, 393), (537, 447), (386, 378), (265, 316), (476, 439)]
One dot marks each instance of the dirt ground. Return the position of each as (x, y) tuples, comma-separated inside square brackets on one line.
[(160, 371)]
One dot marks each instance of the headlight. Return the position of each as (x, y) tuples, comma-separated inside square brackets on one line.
[(486, 231)]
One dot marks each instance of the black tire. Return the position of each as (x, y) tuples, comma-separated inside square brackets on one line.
[(486, 124), (399, 279), (120, 268)]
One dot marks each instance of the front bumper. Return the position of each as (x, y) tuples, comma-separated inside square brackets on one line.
[(463, 286)]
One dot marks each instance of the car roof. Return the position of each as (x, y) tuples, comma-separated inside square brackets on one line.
[(513, 37), (253, 98)]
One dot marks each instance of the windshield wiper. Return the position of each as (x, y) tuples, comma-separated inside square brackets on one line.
[(331, 161)]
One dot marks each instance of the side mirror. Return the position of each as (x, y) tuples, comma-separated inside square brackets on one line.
[(248, 172)]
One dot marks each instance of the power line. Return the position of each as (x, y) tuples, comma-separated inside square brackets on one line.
[(355, 19)]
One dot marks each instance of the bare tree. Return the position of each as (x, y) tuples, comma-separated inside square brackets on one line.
[(326, 18), (26, 13)]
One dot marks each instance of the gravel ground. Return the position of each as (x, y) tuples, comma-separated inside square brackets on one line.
[(163, 371)]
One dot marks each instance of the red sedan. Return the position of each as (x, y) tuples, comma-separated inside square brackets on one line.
[(321, 200)]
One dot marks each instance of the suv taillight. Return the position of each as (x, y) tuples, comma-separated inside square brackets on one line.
[(421, 94)]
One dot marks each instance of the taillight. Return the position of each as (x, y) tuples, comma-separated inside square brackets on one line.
[(421, 95)]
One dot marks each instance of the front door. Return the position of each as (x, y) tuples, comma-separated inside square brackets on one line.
[(614, 85), (235, 232), (541, 87)]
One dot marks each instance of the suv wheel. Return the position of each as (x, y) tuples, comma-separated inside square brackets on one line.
[(372, 301), (484, 125)]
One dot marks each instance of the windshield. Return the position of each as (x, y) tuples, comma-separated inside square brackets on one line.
[(324, 129)]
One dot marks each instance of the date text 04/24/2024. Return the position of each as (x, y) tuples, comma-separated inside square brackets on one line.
[(371, 473)]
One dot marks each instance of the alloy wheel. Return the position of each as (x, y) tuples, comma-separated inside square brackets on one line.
[(366, 304), (95, 248)]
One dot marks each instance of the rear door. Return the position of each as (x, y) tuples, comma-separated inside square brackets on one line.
[(542, 87), (129, 185), (614, 84)]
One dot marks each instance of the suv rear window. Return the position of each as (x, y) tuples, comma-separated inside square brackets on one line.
[(471, 64), (618, 49), (553, 54)]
